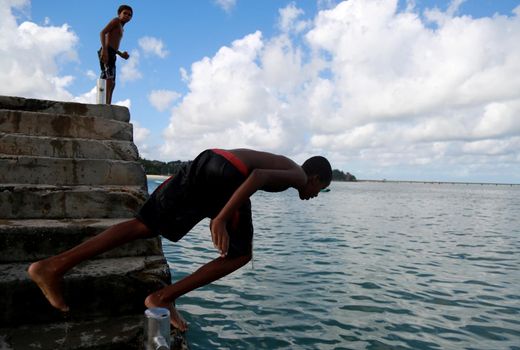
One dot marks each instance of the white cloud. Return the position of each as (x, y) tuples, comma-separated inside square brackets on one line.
[(498, 120), (162, 99), (368, 85), (88, 97), (184, 74), (493, 147), (30, 55), (227, 104), (439, 17), (91, 75), (124, 103), (91, 97), (153, 46), (130, 68), (141, 136), (226, 5), (289, 19)]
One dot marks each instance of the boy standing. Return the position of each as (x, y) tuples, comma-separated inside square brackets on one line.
[(110, 39), (217, 184)]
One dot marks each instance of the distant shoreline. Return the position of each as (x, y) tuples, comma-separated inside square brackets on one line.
[(164, 177), (442, 182)]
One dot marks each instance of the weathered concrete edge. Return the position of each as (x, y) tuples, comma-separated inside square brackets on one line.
[(124, 332), (34, 123), (119, 113), (62, 147)]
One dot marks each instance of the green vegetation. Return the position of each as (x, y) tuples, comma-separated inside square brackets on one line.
[(338, 175), (156, 167)]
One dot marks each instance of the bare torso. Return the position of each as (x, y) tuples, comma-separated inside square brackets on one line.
[(269, 161), (115, 33)]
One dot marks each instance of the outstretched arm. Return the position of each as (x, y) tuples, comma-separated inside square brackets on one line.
[(123, 54), (271, 179)]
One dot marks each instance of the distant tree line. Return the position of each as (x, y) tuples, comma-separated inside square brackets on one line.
[(338, 175), (156, 167)]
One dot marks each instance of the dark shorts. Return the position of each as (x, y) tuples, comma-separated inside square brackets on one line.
[(108, 71), (200, 190)]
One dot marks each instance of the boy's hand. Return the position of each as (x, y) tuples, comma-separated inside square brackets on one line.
[(124, 55), (220, 236), (104, 56)]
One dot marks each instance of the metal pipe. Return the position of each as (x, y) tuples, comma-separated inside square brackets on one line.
[(157, 329), (101, 88)]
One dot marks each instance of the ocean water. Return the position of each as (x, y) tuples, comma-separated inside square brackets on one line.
[(365, 266)]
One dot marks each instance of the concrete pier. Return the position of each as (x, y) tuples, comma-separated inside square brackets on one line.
[(67, 172)]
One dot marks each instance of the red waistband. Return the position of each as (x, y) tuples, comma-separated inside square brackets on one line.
[(237, 163)]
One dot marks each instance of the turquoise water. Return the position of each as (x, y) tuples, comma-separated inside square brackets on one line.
[(365, 266)]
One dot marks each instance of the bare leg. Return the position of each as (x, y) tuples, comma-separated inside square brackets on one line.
[(48, 273), (111, 84), (206, 274)]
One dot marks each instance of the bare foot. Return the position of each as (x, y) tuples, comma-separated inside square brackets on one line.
[(177, 321), (49, 283)]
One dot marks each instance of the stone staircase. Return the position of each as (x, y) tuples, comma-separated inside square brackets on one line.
[(67, 172)]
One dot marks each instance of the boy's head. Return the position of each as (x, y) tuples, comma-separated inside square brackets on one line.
[(124, 7), (319, 175), (125, 13)]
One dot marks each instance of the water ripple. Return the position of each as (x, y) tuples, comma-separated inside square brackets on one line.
[(365, 266)]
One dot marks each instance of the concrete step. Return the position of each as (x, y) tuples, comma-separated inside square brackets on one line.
[(71, 108), (123, 332), (32, 240), (43, 146), (68, 171), (61, 125), (69, 202), (95, 288), (114, 333)]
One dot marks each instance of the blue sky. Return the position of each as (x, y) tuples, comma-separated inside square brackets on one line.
[(418, 90)]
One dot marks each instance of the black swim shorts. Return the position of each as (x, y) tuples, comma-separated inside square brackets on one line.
[(200, 190), (108, 71)]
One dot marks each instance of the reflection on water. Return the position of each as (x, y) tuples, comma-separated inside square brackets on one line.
[(365, 266)]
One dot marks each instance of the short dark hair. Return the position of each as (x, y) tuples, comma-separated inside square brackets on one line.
[(124, 7), (320, 166)]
